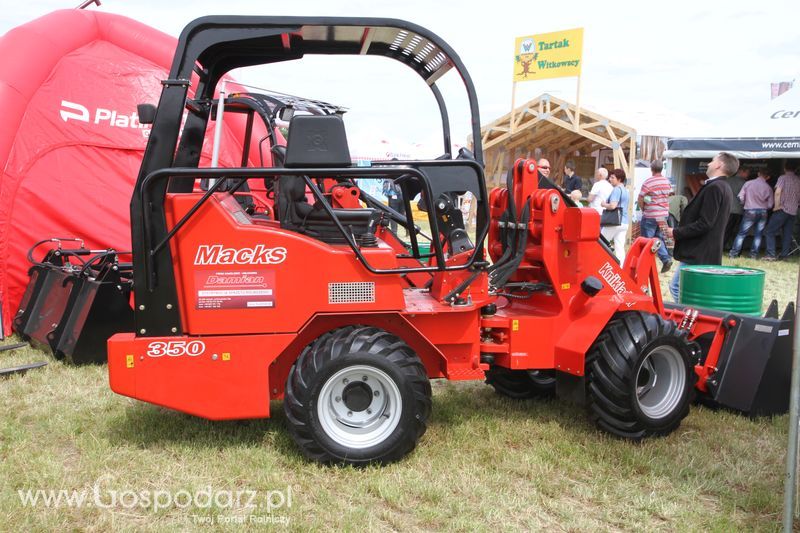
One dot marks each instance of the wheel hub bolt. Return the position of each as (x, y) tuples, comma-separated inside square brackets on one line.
[(345, 381), (363, 378), (369, 411), (377, 393), (338, 398), (349, 413)]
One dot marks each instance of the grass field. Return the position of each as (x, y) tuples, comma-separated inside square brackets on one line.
[(485, 463)]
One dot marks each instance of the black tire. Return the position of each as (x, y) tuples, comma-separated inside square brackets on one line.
[(521, 384), (640, 378), (325, 387)]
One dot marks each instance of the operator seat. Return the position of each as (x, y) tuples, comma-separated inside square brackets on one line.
[(319, 142), (278, 155)]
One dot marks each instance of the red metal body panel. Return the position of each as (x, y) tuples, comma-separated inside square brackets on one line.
[(235, 376), (412, 279), (226, 379), (453, 330), (345, 196), (298, 277)]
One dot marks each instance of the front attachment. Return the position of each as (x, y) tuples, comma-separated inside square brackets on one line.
[(754, 370)]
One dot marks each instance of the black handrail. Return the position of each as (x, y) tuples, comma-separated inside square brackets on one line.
[(359, 172)]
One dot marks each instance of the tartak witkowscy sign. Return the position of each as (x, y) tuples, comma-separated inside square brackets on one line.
[(548, 55)]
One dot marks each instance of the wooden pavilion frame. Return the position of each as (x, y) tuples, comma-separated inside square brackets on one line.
[(557, 130)]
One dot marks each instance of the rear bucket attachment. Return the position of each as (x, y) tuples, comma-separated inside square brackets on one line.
[(73, 306), (98, 307), (46, 295), (754, 369)]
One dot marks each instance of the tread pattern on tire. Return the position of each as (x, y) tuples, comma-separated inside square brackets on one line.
[(334, 346), (610, 375)]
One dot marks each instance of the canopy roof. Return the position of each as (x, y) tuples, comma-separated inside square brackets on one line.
[(769, 131), (555, 129), (234, 41)]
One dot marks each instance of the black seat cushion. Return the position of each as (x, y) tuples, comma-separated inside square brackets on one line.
[(318, 142)]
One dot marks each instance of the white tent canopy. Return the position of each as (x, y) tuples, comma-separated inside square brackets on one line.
[(770, 131)]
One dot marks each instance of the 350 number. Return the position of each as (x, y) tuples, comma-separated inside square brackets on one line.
[(176, 348)]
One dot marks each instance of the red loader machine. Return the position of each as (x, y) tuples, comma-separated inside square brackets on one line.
[(327, 308)]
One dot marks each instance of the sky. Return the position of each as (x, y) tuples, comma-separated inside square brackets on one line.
[(673, 68)]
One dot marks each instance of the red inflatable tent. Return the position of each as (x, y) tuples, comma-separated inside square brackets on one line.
[(70, 139)]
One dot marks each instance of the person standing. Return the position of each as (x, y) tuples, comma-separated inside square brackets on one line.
[(756, 198), (572, 182), (395, 197), (737, 209), (601, 190), (787, 198), (654, 202), (677, 203), (544, 167), (699, 236), (617, 200)]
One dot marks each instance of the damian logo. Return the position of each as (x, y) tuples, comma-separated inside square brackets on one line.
[(216, 254)]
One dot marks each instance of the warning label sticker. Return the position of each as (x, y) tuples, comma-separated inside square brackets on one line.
[(239, 289)]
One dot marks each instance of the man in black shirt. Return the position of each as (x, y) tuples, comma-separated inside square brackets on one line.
[(700, 233), (572, 182)]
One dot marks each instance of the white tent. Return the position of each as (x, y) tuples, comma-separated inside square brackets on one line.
[(654, 120), (768, 132)]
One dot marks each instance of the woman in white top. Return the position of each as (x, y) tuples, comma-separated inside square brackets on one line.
[(618, 199)]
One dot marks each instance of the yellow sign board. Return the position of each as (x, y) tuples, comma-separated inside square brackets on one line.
[(548, 55)]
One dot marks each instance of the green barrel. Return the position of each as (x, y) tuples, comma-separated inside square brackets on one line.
[(734, 289)]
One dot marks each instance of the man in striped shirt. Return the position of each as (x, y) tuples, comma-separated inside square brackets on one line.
[(654, 203), (787, 199)]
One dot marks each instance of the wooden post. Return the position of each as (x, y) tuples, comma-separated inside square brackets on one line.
[(578, 105), (513, 103), (631, 170)]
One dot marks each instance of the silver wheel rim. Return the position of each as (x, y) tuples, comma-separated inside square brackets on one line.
[(359, 426), (660, 382)]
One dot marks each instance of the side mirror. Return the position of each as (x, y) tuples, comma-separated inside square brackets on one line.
[(146, 112), (286, 113), (464, 153)]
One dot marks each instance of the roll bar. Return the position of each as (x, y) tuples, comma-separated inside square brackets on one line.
[(208, 48)]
